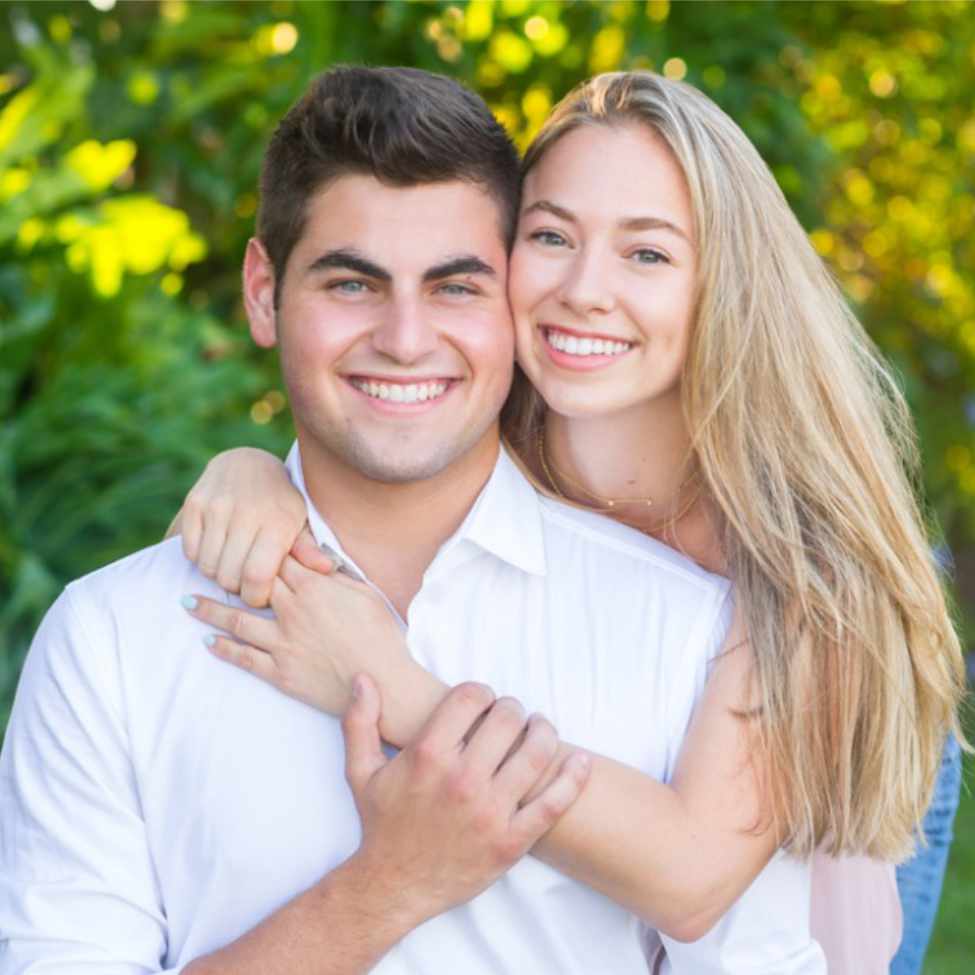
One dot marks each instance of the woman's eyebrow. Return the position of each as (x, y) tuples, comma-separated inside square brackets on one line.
[(548, 207), (653, 223), (628, 223)]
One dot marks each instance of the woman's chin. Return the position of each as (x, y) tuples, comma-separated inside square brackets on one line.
[(581, 404)]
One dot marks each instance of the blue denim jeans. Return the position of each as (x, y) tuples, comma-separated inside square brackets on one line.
[(919, 880)]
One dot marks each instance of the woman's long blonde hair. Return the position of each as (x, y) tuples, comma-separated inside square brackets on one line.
[(807, 450)]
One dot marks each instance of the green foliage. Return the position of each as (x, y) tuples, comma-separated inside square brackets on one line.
[(130, 143)]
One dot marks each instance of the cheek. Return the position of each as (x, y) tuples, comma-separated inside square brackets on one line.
[(316, 332), (664, 309), (495, 352), (486, 341), (530, 280), (530, 277)]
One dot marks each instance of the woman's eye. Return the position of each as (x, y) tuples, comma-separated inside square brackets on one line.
[(646, 255), (549, 238)]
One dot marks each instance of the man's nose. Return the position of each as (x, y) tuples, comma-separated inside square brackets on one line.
[(406, 333)]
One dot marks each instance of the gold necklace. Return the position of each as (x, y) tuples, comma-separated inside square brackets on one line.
[(608, 504)]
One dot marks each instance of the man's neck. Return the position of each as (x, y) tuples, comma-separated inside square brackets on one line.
[(393, 531)]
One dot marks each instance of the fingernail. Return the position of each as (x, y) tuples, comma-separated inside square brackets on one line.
[(189, 602), (581, 761), (209, 639)]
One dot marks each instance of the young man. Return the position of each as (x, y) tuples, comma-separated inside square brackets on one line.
[(162, 811)]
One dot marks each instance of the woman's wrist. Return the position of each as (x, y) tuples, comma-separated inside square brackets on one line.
[(409, 699)]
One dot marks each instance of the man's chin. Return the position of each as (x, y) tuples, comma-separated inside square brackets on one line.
[(400, 460), (403, 465)]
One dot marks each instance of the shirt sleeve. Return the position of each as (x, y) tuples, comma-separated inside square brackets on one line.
[(765, 932), (78, 890)]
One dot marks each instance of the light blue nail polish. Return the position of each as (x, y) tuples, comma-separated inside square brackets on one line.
[(189, 602), (209, 639)]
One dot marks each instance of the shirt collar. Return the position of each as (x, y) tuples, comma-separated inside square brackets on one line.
[(505, 519)]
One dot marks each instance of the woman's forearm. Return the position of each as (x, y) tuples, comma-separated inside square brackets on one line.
[(637, 841), (679, 855)]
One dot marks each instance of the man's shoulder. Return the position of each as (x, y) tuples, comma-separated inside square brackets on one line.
[(157, 571), (595, 538), (131, 607)]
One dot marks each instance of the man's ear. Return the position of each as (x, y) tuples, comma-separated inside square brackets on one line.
[(259, 294)]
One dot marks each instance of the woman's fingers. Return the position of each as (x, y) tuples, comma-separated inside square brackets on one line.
[(188, 523), (295, 575), (214, 537), (308, 553), (243, 625), (236, 550), (262, 565), (243, 655)]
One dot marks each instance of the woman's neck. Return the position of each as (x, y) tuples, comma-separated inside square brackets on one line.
[(638, 454), (631, 458)]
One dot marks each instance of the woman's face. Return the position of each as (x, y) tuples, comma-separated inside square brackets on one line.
[(602, 273)]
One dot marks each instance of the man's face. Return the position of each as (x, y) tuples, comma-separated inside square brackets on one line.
[(396, 338)]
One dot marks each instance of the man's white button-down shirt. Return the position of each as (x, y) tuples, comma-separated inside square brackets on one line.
[(156, 803)]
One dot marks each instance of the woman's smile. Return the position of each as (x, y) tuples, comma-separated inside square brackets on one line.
[(572, 349)]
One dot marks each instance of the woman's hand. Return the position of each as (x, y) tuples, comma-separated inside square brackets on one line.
[(327, 628), (239, 521)]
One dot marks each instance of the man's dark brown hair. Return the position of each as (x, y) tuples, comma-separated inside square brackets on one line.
[(401, 125)]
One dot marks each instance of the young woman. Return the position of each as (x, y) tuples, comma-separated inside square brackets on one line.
[(690, 368)]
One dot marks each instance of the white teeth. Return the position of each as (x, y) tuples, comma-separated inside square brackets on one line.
[(583, 346), (400, 393)]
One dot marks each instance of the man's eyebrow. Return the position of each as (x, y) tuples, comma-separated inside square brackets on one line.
[(468, 264), (350, 260), (630, 223)]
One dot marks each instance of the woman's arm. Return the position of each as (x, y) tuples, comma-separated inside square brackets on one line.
[(677, 855)]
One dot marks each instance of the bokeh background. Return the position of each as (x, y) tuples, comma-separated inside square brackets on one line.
[(130, 142)]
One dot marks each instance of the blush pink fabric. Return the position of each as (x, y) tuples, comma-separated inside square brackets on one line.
[(856, 914)]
